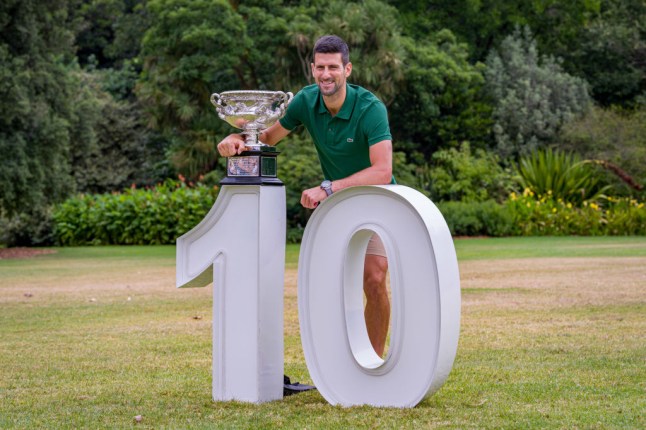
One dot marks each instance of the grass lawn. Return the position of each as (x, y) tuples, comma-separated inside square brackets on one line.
[(552, 336)]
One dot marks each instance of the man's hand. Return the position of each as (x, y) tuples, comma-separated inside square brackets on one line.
[(311, 198), (231, 145)]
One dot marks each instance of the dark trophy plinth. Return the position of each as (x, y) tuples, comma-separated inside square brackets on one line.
[(252, 111), (253, 167)]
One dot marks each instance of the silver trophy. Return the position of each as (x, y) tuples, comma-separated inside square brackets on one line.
[(252, 112)]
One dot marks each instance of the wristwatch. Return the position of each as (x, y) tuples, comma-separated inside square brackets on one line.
[(327, 187)]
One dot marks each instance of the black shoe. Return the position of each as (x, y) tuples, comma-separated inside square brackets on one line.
[(295, 388)]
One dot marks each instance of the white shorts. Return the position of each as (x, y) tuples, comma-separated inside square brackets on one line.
[(376, 246)]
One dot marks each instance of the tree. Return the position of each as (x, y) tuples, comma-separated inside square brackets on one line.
[(532, 95), (483, 24), (602, 41), (440, 102), (110, 31), (97, 32), (35, 108), (112, 147), (372, 33), (191, 50), (610, 53), (266, 61), (617, 139)]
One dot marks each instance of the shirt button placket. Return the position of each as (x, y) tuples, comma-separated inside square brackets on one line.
[(330, 133)]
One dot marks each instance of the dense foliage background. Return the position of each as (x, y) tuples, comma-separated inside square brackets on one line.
[(100, 96)]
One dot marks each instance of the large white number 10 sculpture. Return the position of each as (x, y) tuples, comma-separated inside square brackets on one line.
[(240, 246)]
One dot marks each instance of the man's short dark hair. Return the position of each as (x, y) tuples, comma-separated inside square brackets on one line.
[(331, 44)]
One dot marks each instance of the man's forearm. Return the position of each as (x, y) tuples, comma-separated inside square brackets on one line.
[(373, 175), (380, 171), (273, 134), (263, 138)]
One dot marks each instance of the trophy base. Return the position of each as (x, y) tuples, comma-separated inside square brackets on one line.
[(253, 167), (236, 180)]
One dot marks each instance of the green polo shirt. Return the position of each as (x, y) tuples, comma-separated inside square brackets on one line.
[(342, 141)]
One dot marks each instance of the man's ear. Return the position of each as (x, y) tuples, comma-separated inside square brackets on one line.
[(348, 69)]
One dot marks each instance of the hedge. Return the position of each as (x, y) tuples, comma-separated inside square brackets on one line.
[(157, 215), (161, 214)]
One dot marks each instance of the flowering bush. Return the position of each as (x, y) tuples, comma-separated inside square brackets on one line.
[(625, 216), (133, 217), (545, 215)]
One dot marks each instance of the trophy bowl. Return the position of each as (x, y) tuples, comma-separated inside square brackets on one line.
[(251, 111)]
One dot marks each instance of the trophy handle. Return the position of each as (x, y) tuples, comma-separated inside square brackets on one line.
[(287, 98), (216, 100)]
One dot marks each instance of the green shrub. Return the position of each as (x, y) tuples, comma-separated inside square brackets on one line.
[(133, 217), (28, 228), (299, 169), (468, 176), (477, 218)]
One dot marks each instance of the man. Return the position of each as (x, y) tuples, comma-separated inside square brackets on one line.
[(349, 126)]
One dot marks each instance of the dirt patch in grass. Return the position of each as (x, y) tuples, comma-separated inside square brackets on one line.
[(528, 283), (535, 283), (553, 282), (7, 253), (53, 282)]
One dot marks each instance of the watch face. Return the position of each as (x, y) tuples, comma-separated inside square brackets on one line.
[(327, 187)]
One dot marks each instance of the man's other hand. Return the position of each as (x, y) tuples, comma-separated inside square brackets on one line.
[(311, 197), (231, 145)]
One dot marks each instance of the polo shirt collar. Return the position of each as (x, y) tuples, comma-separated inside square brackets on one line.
[(348, 103)]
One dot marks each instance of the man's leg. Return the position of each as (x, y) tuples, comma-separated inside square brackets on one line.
[(377, 312)]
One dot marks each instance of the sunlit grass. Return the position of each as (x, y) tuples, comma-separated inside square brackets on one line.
[(565, 246)]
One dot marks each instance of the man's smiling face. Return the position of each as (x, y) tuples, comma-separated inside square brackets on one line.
[(329, 72)]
